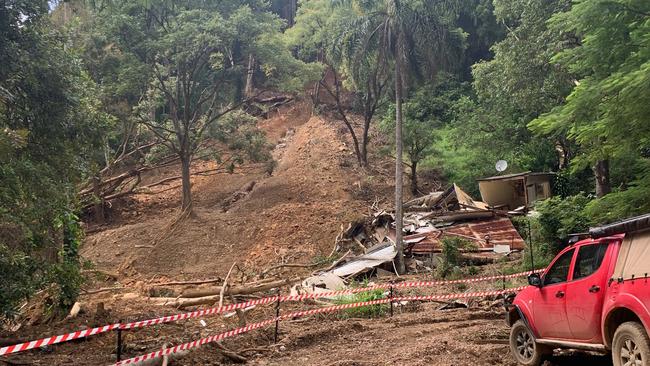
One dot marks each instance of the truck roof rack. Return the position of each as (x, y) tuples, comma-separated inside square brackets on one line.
[(632, 224)]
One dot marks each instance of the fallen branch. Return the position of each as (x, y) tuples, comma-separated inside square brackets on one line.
[(225, 284), (108, 274), (343, 257), (258, 349), (105, 289), (15, 362), (233, 356)]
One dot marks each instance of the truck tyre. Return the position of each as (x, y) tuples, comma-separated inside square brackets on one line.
[(631, 346), (523, 346)]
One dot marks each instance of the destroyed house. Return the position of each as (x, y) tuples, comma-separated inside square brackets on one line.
[(514, 191), (370, 243), (454, 213)]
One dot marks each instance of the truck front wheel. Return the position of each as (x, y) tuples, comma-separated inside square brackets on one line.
[(523, 346), (631, 346)]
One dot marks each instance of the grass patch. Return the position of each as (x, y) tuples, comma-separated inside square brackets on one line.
[(370, 311)]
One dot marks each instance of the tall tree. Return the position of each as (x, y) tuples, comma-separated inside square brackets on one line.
[(409, 35), (50, 122), (425, 113), (508, 91), (606, 114)]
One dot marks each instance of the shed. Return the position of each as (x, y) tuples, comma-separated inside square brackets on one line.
[(515, 190)]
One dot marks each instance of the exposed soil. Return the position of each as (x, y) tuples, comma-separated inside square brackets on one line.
[(292, 215)]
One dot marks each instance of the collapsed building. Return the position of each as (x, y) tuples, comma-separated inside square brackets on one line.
[(369, 243), (430, 218)]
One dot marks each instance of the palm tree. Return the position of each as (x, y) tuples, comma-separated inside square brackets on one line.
[(404, 34)]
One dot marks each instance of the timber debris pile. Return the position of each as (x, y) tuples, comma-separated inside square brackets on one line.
[(369, 243)]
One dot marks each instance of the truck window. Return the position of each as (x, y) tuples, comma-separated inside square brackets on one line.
[(560, 270), (589, 259)]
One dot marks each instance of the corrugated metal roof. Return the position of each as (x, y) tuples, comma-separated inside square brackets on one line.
[(500, 230), (380, 254), (516, 175)]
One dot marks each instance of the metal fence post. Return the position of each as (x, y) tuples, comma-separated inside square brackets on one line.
[(505, 303), (118, 351), (391, 300), (277, 318)]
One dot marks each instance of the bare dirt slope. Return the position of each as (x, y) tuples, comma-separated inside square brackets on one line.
[(292, 215)]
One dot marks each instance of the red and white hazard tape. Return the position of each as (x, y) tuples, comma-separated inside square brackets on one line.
[(199, 313), (217, 310), (303, 313), (245, 329), (458, 296), (56, 339), (198, 343)]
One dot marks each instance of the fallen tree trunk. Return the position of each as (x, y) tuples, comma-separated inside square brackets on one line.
[(240, 290), (111, 275), (183, 283)]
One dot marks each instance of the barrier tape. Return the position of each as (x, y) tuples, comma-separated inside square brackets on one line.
[(56, 339), (301, 297), (198, 313), (297, 314), (237, 331), (217, 310)]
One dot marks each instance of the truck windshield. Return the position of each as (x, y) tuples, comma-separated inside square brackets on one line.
[(560, 269)]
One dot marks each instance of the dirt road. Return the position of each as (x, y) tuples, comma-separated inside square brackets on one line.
[(427, 337)]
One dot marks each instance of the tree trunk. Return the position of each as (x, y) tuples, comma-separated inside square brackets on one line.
[(364, 140), (99, 203), (336, 94), (293, 8), (399, 170), (248, 90), (186, 161), (414, 178), (601, 173)]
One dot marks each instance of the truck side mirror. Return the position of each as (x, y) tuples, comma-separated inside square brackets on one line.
[(535, 280)]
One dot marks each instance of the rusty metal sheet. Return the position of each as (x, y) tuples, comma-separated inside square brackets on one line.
[(500, 230)]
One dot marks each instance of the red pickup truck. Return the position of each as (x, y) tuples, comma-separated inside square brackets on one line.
[(595, 295)]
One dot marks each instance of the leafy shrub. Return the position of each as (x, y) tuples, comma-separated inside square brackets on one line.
[(529, 228), (620, 205), (558, 218), (451, 253), (568, 183), (17, 282)]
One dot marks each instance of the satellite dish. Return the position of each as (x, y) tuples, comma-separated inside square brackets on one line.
[(501, 166)]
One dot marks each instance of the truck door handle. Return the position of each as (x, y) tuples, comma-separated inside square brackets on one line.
[(559, 294), (594, 289)]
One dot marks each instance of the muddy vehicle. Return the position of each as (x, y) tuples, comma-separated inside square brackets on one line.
[(595, 295)]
